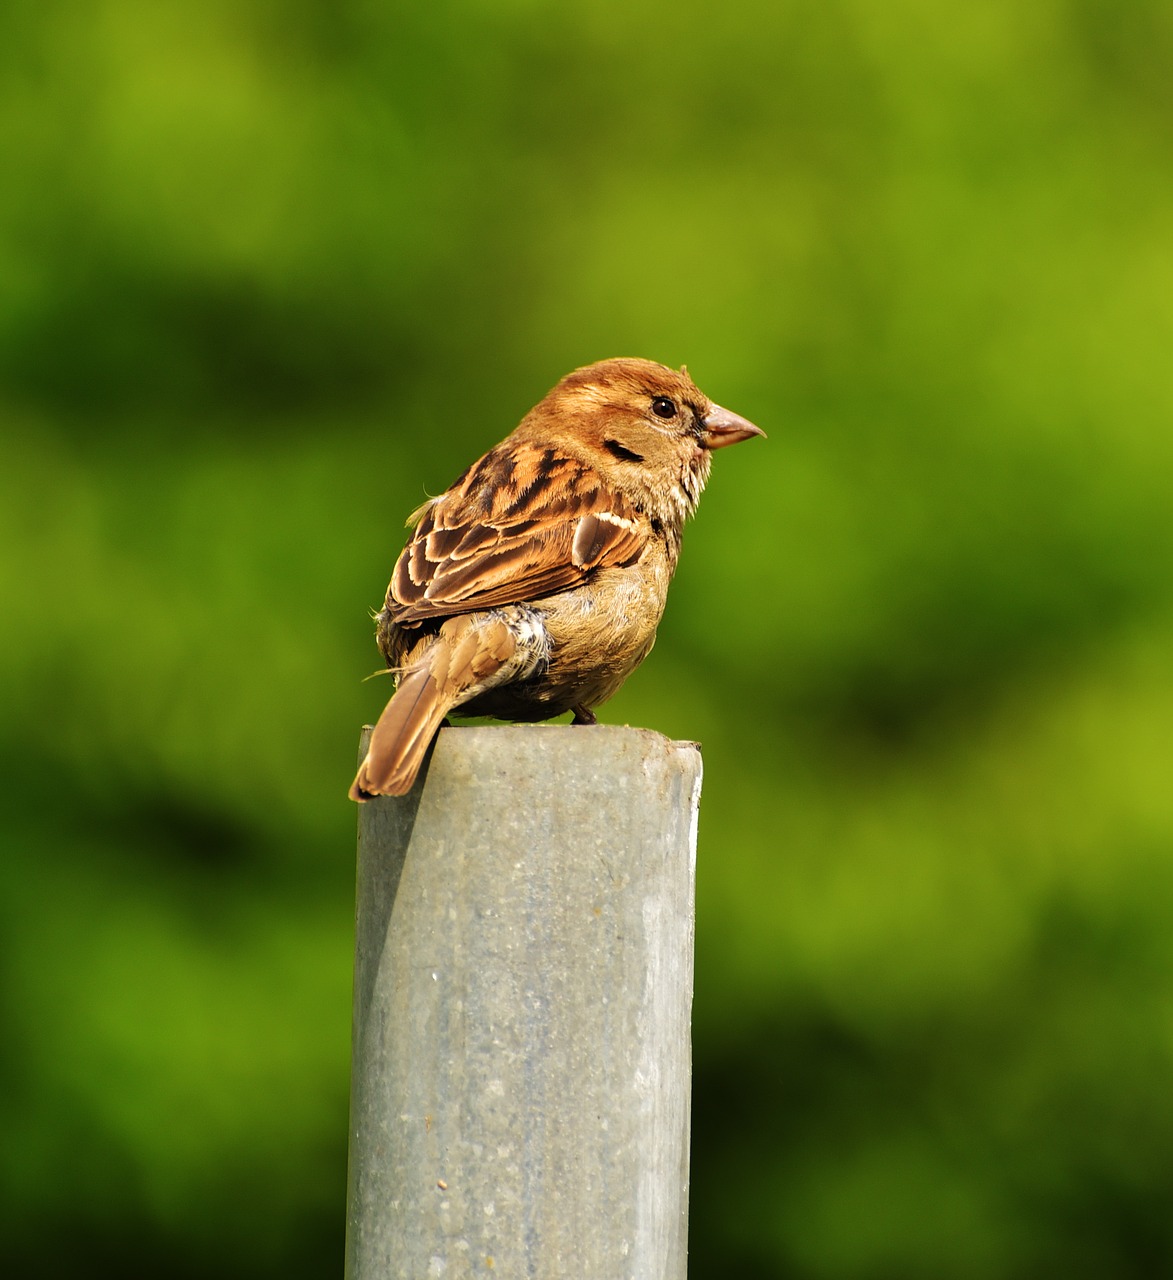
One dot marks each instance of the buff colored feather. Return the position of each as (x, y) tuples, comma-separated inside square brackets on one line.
[(534, 585)]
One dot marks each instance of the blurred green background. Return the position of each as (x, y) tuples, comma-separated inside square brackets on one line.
[(270, 271)]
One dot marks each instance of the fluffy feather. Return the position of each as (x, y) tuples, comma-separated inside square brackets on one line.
[(534, 585)]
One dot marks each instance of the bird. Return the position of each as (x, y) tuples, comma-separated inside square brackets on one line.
[(534, 585)]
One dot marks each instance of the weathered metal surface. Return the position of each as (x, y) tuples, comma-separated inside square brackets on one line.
[(523, 986)]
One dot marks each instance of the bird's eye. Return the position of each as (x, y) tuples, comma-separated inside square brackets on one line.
[(662, 407)]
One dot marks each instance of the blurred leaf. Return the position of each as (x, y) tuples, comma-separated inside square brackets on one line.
[(270, 273)]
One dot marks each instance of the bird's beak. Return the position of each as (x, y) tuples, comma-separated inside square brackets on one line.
[(722, 427)]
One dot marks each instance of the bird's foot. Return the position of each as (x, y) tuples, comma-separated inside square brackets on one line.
[(583, 715)]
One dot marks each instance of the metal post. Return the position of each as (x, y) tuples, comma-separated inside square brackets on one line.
[(523, 987)]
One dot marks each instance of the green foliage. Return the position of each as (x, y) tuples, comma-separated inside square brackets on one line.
[(272, 271)]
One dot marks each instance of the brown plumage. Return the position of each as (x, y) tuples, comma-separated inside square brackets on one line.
[(535, 584)]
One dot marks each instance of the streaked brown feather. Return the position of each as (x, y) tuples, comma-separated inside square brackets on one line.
[(469, 551), (571, 528)]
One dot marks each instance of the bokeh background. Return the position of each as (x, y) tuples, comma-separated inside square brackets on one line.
[(270, 271)]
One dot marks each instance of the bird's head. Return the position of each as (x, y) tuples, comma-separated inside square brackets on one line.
[(648, 428)]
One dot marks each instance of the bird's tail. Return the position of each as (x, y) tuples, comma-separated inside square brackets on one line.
[(452, 667)]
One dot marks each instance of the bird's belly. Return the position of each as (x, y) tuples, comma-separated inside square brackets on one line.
[(598, 634)]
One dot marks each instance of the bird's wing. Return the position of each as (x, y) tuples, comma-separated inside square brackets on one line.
[(524, 522)]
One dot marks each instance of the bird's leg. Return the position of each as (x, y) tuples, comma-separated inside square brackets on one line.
[(583, 715)]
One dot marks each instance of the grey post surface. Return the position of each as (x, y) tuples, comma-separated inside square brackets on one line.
[(523, 986)]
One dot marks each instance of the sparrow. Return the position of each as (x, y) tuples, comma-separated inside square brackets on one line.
[(535, 584)]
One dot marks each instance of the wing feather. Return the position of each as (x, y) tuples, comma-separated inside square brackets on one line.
[(526, 521)]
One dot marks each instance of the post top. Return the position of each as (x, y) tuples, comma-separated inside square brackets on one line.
[(508, 748)]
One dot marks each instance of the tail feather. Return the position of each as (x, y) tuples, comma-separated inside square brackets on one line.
[(401, 737), (460, 658)]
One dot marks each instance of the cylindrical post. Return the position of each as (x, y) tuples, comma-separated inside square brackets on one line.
[(523, 986)]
